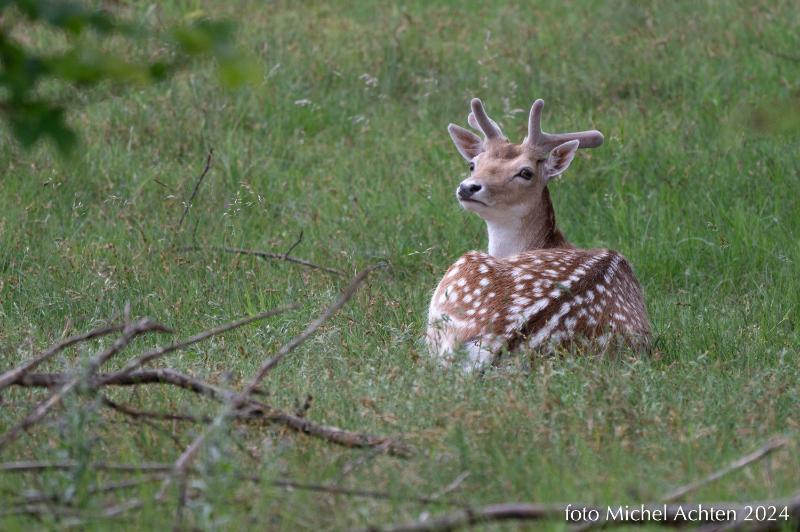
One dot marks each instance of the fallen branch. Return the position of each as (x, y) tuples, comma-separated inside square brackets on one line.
[(312, 327), (792, 509), (672, 515), (144, 414), (342, 437), (354, 492), (67, 465), (38, 413), (121, 508), (164, 431), (39, 497), (9, 377), (779, 54), (352, 465), (145, 376), (481, 515), (266, 255), (454, 485), (240, 406), (40, 510), (678, 493), (161, 351), (129, 332), (765, 450), (188, 455), (153, 468), (252, 410)]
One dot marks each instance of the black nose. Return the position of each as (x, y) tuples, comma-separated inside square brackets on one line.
[(466, 191)]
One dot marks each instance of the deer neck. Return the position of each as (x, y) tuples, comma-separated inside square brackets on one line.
[(535, 230)]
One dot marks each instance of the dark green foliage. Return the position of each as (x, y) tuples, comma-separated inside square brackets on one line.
[(84, 61)]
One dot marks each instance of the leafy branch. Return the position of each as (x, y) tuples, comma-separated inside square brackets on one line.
[(89, 59)]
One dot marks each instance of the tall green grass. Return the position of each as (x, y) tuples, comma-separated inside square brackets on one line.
[(345, 140)]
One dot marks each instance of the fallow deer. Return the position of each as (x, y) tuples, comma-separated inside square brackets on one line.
[(533, 290)]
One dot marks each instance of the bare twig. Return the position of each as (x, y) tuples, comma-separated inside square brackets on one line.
[(480, 515), (10, 376), (678, 493), (77, 519), (161, 351), (40, 510), (121, 508), (150, 422), (38, 413), (181, 467), (454, 485), (291, 248), (129, 332), (38, 497), (339, 436), (252, 410), (145, 414), (312, 327), (37, 466), (237, 405), (673, 515), (266, 255), (352, 465), (188, 204), (288, 484), (152, 470), (189, 454), (147, 376), (779, 54), (157, 182), (355, 492), (792, 506), (765, 450)]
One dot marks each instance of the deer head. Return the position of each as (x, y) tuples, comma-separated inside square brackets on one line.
[(507, 186)]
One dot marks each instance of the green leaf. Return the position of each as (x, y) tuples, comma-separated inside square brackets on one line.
[(20, 70), (85, 66), (32, 121), (239, 71), (204, 37), (33, 118), (69, 16)]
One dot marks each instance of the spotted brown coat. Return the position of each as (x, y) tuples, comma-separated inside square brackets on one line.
[(533, 291)]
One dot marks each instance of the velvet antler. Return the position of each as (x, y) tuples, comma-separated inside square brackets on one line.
[(479, 120), (541, 143)]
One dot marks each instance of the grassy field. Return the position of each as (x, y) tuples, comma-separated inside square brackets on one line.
[(698, 184)]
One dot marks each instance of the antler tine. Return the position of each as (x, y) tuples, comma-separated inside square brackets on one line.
[(544, 142), (486, 124), (535, 123)]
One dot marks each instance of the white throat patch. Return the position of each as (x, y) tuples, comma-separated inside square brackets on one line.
[(505, 237)]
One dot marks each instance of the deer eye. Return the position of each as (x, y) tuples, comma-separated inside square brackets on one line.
[(471, 166), (526, 174)]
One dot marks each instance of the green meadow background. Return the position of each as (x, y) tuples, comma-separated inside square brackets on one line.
[(344, 138)]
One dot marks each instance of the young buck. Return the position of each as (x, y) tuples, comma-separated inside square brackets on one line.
[(533, 290)]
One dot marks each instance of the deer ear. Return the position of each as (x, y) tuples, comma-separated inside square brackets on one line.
[(468, 143), (559, 159)]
